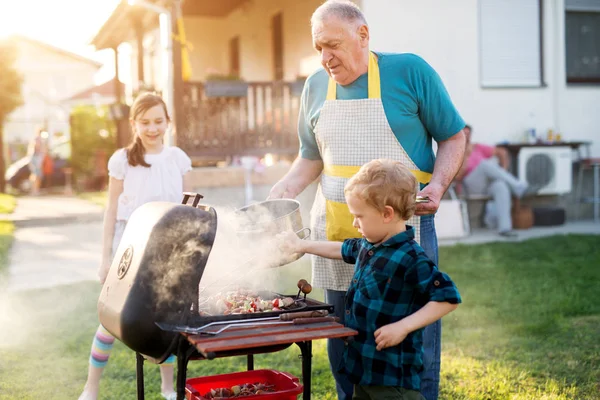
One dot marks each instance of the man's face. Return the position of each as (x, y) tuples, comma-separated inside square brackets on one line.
[(341, 45)]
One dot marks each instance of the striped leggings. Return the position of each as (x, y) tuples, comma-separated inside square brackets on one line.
[(102, 347), (103, 341)]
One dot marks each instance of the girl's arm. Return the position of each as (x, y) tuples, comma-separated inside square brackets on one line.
[(115, 188), (187, 182)]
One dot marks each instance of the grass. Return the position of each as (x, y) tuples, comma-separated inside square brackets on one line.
[(528, 329), (7, 203), (7, 206)]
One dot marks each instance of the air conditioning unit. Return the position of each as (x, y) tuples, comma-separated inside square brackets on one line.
[(549, 168)]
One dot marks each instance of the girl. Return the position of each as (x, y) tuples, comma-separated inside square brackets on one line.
[(144, 171)]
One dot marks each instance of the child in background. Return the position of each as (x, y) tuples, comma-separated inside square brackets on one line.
[(395, 291), (144, 171)]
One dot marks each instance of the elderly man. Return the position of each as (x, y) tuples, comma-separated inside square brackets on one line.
[(361, 106)]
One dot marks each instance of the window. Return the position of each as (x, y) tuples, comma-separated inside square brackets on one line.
[(510, 41), (582, 41)]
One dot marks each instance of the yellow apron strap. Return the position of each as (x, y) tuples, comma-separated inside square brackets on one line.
[(348, 171), (373, 76), (373, 81)]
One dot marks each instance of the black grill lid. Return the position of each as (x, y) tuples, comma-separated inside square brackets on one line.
[(155, 274)]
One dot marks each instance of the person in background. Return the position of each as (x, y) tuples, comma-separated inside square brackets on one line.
[(396, 289), (37, 151), (364, 105), (485, 171), (144, 171)]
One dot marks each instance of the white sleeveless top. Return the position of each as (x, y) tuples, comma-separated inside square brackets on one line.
[(163, 181)]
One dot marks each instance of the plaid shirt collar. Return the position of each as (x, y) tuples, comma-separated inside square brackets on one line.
[(395, 241)]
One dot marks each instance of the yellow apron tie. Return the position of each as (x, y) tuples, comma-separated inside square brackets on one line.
[(348, 171)]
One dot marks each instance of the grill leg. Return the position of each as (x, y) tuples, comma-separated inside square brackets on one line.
[(139, 373), (306, 355), (184, 353), (250, 362)]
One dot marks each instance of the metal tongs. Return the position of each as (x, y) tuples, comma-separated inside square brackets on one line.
[(294, 318)]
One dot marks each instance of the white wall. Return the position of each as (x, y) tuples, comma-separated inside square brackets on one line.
[(252, 23), (445, 33)]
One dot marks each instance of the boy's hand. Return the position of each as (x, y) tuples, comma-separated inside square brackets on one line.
[(390, 335), (288, 242)]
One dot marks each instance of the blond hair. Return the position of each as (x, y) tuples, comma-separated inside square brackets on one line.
[(382, 183)]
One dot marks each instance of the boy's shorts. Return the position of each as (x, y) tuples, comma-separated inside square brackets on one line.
[(385, 393)]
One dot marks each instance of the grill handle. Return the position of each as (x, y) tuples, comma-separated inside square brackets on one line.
[(303, 314), (197, 198)]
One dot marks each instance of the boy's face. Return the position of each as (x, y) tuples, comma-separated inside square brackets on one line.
[(370, 222)]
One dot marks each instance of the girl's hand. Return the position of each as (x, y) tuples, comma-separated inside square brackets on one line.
[(103, 270), (390, 335), (288, 242)]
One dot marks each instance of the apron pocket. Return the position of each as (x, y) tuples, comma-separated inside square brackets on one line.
[(338, 222)]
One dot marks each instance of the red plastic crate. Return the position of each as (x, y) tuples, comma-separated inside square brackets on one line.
[(286, 385)]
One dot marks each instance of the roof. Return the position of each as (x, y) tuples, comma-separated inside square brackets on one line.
[(55, 49), (120, 25), (106, 89)]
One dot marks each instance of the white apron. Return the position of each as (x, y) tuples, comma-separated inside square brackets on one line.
[(349, 134)]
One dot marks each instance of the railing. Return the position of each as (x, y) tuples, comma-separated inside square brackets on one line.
[(264, 121)]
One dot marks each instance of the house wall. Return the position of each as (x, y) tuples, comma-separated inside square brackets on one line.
[(446, 35), (48, 78), (252, 23)]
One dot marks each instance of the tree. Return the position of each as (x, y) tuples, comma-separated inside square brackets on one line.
[(10, 95)]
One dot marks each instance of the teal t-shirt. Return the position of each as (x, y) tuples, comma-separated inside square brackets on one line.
[(416, 104)]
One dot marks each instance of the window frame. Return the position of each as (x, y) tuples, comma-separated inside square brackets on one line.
[(570, 80), (542, 79)]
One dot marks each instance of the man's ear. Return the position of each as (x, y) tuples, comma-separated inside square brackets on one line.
[(363, 34)]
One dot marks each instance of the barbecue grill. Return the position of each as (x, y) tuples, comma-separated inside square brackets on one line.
[(151, 292)]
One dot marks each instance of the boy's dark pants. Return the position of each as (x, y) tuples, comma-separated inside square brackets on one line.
[(385, 393)]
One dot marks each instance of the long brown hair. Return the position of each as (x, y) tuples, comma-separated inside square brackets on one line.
[(144, 102)]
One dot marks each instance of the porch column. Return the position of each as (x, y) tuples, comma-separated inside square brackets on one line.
[(139, 37), (179, 117), (122, 125), (117, 85)]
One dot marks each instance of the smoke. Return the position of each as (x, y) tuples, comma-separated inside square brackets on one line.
[(13, 323), (242, 256)]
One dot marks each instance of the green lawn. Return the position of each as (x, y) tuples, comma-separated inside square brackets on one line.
[(7, 206), (529, 328)]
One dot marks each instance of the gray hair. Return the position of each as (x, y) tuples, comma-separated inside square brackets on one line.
[(342, 9)]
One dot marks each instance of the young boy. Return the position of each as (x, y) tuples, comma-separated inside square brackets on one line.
[(396, 290)]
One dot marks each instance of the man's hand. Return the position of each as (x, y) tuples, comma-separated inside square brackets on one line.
[(301, 174), (390, 335), (280, 191), (434, 192)]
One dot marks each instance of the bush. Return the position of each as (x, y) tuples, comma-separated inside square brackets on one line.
[(93, 140)]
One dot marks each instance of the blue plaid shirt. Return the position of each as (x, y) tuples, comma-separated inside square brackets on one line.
[(391, 281)]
